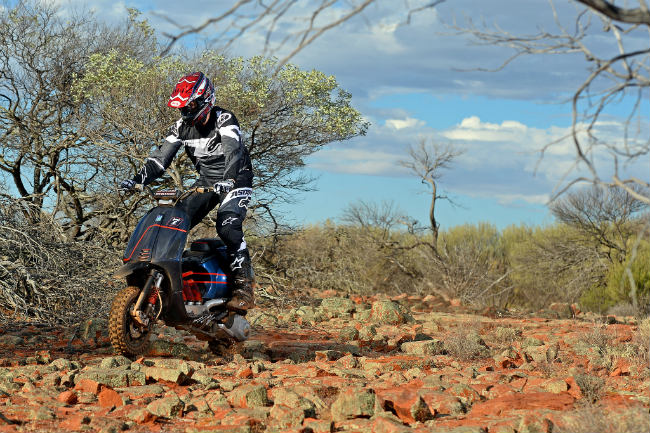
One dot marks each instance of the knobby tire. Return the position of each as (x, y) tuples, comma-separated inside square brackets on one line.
[(119, 321)]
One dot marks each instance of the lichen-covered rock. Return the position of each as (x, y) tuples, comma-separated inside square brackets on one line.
[(426, 347), (112, 378), (353, 403), (166, 407), (116, 362), (289, 398), (250, 395), (389, 312), (337, 307)]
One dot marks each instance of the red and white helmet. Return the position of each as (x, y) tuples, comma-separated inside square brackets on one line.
[(194, 97)]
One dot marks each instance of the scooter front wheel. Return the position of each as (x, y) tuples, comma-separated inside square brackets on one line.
[(128, 337)]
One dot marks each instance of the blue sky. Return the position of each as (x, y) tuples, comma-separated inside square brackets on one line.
[(416, 82)]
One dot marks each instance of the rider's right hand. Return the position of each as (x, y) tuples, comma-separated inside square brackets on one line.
[(127, 185)]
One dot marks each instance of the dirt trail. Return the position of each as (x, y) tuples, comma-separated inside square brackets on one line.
[(361, 365)]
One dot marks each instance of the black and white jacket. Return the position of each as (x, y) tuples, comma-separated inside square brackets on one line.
[(216, 150)]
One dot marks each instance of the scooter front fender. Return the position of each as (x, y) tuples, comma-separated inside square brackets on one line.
[(130, 268)]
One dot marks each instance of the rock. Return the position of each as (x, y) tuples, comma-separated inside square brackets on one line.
[(250, 396), (442, 403), (109, 398), (328, 355), (505, 334), (115, 362), (175, 350), (285, 417), (318, 425), (353, 403), (67, 397), (532, 341), (42, 413), (167, 374), (555, 386), (262, 319), (349, 333), (141, 416), (533, 423), (427, 347), (561, 310), (363, 316), (166, 407), (337, 307), (382, 424), (112, 378), (367, 332), (406, 403), (289, 398), (63, 364), (308, 314), (252, 349), (535, 400), (348, 361), (389, 312)]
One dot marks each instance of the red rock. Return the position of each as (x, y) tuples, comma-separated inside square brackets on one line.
[(245, 373), (74, 422), (535, 400), (407, 404), (574, 388), (67, 397), (109, 398), (383, 425), (87, 385)]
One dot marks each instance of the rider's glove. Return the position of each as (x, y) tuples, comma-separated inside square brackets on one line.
[(127, 184), (224, 186)]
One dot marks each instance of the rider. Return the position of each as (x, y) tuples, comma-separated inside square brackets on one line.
[(212, 140)]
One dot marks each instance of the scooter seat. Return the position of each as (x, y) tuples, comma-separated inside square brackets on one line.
[(206, 245)]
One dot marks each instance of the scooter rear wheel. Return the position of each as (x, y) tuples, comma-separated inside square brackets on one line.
[(128, 337)]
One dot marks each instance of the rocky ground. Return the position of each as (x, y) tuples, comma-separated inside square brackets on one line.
[(361, 364)]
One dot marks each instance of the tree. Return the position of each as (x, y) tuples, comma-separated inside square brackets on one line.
[(617, 70), (428, 163), (285, 116), (607, 216), (283, 23), (45, 156)]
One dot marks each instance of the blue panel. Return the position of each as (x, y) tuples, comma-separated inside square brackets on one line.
[(218, 288)]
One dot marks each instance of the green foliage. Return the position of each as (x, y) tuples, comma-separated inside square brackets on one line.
[(620, 277)]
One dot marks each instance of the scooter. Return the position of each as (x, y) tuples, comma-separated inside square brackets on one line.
[(186, 289)]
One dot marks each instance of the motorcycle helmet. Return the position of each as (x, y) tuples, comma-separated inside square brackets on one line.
[(194, 96)]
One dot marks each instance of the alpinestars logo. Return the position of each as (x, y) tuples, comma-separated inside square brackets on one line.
[(175, 221), (244, 202), (223, 119), (236, 264), (229, 220)]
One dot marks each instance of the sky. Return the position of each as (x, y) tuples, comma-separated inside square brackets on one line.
[(419, 81)]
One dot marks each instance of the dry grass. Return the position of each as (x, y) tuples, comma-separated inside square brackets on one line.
[(466, 345), (596, 420), (592, 387)]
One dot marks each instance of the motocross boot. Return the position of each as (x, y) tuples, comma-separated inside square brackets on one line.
[(242, 294)]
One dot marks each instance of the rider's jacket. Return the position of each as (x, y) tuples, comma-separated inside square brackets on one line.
[(215, 149)]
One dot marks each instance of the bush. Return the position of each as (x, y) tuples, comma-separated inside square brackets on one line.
[(618, 288), (46, 278)]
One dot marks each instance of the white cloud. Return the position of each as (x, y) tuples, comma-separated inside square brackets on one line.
[(509, 199), (409, 122)]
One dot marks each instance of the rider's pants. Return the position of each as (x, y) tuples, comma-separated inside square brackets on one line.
[(230, 216)]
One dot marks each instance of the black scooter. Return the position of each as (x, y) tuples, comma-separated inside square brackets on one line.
[(187, 289)]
